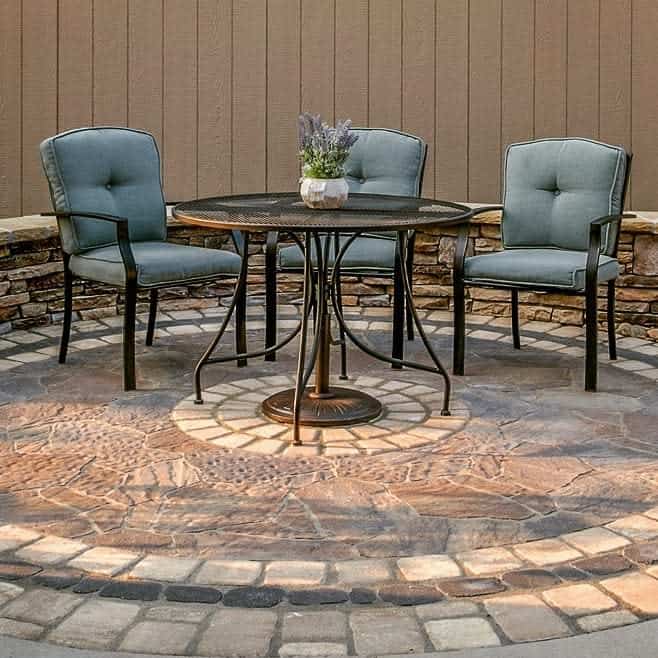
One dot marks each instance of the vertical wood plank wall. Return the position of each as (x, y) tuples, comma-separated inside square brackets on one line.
[(220, 83)]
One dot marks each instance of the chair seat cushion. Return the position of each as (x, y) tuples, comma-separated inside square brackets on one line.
[(158, 263), (366, 253), (536, 267)]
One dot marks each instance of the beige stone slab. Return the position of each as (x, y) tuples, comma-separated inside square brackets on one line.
[(161, 567), (489, 560), (580, 599), (636, 590), (234, 632), (51, 550), (95, 625), (525, 618), (314, 626), (42, 606), (363, 572), (21, 629), (315, 649), (466, 633), (229, 572), (289, 572), (428, 567), (109, 561), (614, 619), (9, 591), (636, 527), (595, 540), (386, 631), (547, 551), (11, 537), (179, 612), (159, 637), (447, 610)]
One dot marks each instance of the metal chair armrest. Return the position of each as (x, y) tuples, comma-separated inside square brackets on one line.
[(123, 237)]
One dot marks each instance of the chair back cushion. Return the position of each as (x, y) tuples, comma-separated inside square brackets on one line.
[(385, 161), (105, 170), (555, 187)]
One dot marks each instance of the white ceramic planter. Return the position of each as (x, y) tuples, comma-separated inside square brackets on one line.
[(324, 193)]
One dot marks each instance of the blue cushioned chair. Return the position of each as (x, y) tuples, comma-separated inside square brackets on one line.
[(382, 161), (107, 196), (562, 211)]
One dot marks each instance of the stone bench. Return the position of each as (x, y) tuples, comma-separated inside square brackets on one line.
[(31, 277)]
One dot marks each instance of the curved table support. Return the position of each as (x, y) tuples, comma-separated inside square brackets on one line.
[(324, 406), (438, 367)]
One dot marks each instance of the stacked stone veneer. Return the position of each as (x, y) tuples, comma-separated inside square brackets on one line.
[(31, 277)]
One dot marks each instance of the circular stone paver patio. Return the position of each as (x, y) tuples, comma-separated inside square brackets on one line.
[(530, 513)]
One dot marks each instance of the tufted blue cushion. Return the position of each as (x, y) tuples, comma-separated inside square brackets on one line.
[(555, 187), (364, 254), (385, 162), (105, 170), (530, 267), (158, 263)]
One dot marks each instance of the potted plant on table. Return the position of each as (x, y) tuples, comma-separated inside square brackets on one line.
[(323, 151)]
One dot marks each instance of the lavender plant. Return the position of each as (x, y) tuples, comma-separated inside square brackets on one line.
[(323, 150)]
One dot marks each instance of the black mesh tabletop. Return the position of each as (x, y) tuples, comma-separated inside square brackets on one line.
[(286, 211)]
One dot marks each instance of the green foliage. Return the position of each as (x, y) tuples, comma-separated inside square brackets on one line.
[(323, 164)]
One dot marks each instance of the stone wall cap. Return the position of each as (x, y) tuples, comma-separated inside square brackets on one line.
[(35, 227)]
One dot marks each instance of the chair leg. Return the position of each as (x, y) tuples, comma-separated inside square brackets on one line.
[(68, 311), (270, 297), (612, 336), (516, 336), (459, 337), (241, 326), (129, 383), (591, 346), (410, 274), (398, 313), (153, 312)]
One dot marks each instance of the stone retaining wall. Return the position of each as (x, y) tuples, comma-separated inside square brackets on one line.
[(31, 278)]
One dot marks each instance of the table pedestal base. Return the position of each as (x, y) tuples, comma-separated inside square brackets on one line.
[(339, 407)]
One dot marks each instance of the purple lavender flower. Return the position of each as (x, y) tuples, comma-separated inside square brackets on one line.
[(322, 148)]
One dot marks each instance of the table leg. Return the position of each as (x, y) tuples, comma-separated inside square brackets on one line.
[(324, 405), (438, 367)]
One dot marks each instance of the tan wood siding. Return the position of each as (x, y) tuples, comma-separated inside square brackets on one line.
[(220, 82)]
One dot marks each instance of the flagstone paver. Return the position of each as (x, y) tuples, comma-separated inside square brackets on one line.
[(20, 629), (312, 649), (577, 600), (41, 607), (547, 551), (12, 537), (428, 567), (636, 527), (95, 625), (229, 572), (288, 572), (51, 550), (466, 633), (386, 631), (525, 618), (595, 540), (160, 567), (238, 633), (314, 626), (488, 560), (605, 620), (158, 637), (104, 560), (498, 498), (636, 590)]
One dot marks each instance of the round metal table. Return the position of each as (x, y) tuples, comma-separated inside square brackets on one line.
[(324, 236)]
